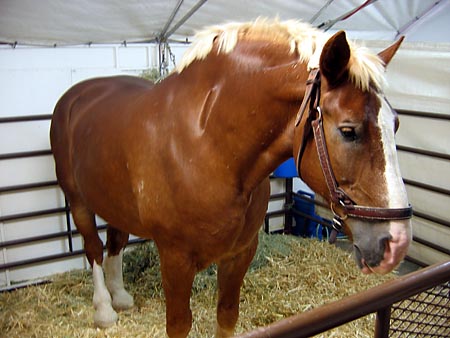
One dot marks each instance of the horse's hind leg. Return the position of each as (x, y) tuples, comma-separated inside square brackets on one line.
[(230, 275), (104, 315), (116, 241)]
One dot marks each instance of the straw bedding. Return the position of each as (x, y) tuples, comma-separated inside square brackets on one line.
[(287, 276)]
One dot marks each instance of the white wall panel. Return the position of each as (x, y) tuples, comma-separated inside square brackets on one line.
[(23, 58), (26, 170), (429, 202), (31, 200), (136, 57), (431, 232), (425, 169), (427, 255), (31, 91), (30, 227), (276, 186), (24, 136), (424, 133)]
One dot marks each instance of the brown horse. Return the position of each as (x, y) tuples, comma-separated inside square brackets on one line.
[(186, 162)]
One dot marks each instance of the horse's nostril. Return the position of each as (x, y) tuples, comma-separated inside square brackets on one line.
[(358, 256), (383, 242), (372, 254)]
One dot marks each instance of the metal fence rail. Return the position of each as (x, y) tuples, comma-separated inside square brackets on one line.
[(69, 232), (389, 300)]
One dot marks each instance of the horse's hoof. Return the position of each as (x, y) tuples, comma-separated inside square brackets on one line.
[(122, 301), (223, 333), (105, 317)]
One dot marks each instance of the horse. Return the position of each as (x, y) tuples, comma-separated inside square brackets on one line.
[(186, 162)]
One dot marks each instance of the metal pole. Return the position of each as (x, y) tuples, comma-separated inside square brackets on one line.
[(68, 225), (288, 206), (383, 323), (170, 20), (185, 18)]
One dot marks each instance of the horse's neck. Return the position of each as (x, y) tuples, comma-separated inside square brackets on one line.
[(249, 120)]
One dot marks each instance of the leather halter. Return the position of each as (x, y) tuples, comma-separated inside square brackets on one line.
[(339, 197)]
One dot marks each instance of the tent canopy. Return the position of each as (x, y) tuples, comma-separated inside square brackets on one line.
[(64, 22)]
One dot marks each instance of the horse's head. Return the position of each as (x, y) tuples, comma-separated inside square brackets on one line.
[(358, 127)]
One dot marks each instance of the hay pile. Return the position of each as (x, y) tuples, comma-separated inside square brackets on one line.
[(287, 276)]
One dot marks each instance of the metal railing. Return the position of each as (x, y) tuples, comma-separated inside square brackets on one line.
[(388, 301)]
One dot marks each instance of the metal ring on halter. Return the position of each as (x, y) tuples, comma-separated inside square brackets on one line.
[(337, 222), (342, 218)]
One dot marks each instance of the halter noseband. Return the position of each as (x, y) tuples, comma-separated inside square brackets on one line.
[(338, 196)]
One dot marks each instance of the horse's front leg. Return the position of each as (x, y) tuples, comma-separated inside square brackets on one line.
[(177, 271), (230, 275)]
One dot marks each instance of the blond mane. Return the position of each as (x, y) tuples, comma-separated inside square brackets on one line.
[(365, 68)]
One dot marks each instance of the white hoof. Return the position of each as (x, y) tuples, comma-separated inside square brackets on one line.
[(122, 300), (105, 316)]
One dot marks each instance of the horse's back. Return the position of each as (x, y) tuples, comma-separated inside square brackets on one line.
[(86, 93), (89, 92)]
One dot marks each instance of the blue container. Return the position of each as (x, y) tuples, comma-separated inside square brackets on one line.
[(304, 226), (286, 169), (317, 230)]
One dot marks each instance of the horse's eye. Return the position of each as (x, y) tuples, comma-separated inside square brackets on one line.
[(348, 133)]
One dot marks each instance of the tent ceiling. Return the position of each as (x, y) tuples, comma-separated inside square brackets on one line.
[(65, 22)]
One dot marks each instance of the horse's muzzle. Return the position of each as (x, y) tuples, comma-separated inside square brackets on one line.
[(382, 247)]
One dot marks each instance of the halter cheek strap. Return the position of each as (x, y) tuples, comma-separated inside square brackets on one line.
[(339, 198), (312, 94)]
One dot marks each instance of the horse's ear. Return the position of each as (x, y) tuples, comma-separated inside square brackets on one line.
[(387, 54), (334, 58)]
